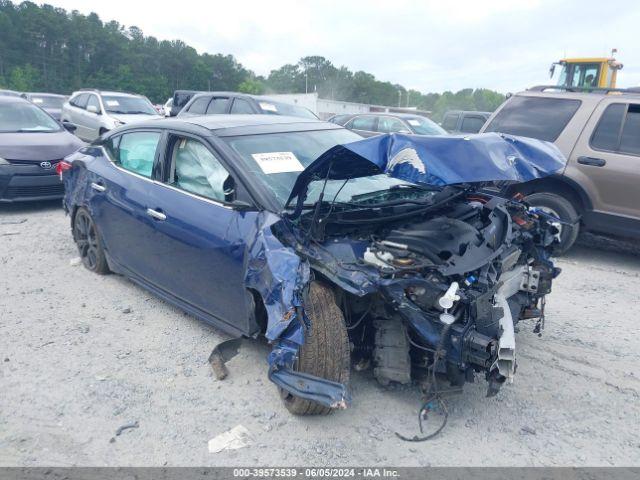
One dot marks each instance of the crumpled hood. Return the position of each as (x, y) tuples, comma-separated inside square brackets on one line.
[(38, 146), (437, 160)]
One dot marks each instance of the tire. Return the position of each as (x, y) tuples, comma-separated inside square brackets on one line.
[(565, 211), (89, 243), (325, 352)]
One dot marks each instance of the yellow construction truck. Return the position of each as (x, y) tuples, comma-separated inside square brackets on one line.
[(597, 72)]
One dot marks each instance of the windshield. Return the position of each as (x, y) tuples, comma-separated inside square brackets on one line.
[(25, 117), (278, 108), (47, 101), (424, 126), (277, 159), (128, 105)]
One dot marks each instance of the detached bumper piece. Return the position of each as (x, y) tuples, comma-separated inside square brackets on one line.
[(325, 392)]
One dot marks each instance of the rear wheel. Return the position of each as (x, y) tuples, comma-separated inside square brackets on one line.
[(89, 242), (325, 352), (559, 207)]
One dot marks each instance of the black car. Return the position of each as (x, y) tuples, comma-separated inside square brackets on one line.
[(370, 124), (49, 102), (32, 143), (210, 103)]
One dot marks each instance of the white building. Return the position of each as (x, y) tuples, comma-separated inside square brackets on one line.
[(326, 108)]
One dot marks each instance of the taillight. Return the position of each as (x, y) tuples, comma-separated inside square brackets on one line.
[(62, 166)]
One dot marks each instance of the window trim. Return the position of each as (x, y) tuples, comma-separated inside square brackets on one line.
[(226, 110), (620, 130)]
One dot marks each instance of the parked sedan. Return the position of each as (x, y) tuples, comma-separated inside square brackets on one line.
[(328, 246), (211, 103), (370, 124), (32, 143), (49, 102)]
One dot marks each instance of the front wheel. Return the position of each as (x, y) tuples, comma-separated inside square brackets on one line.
[(89, 242), (560, 207), (325, 352)]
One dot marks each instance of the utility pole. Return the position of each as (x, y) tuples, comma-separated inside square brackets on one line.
[(306, 81), (399, 98)]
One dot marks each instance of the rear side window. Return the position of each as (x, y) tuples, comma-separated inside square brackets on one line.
[(541, 118), (363, 123), (241, 106), (450, 122), (630, 141), (136, 152), (199, 105), (607, 133), (472, 124), (217, 105), (618, 129), (80, 101)]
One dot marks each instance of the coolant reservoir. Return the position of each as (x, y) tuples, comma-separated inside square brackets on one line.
[(447, 300)]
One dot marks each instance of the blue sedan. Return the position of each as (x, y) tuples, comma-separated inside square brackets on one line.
[(336, 249)]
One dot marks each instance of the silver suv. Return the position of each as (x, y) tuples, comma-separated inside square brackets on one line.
[(599, 133), (94, 112)]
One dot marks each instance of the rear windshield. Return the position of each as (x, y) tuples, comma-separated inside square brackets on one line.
[(47, 101), (536, 117)]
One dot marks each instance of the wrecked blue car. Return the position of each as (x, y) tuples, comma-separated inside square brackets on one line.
[(389, 252)]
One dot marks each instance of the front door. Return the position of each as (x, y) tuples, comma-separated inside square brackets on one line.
[(201, 240)]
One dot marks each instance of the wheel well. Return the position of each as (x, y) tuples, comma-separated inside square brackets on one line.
[(260, 318), (562, 187)]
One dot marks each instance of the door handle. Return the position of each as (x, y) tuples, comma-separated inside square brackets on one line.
[(592, 161), (156, 214), (98, 187)]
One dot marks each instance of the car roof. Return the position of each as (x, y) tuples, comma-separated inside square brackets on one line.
[(12, 99), (108, 92), (224, 125), (595, 95), (44, 94)]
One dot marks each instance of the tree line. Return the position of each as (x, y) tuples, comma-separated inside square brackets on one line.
[(45, 48)]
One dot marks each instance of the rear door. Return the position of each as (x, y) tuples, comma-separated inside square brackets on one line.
[(606, 158), (121, 191), (77, 115), (93, 120)]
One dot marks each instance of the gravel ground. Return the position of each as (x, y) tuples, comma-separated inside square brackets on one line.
[(82, 354)]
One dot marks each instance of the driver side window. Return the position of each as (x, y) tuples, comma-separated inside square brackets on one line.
[(195, 169)]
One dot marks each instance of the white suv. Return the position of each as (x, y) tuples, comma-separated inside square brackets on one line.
[(94, 112)]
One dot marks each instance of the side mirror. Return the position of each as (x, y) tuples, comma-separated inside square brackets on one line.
[(93, 109), (69, 127)]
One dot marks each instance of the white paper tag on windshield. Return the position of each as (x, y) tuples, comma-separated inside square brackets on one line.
[(278, 162), (37, 100), (269, 107), (413, 122), (112, 103)]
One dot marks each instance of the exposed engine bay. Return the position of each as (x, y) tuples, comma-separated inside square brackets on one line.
[(436, 289)]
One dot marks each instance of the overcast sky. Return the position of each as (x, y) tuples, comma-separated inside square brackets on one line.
[(431, 46)]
